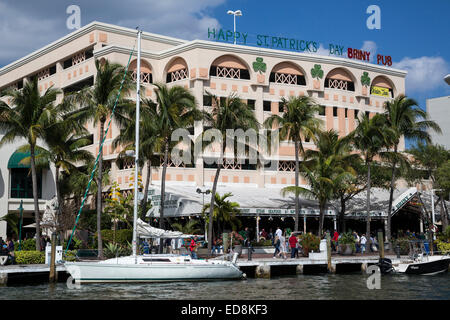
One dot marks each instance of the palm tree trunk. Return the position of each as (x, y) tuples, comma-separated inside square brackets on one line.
[(391, 199), (35, 197), (368, 202), (297, 211), (444, 219), (213, 194), (147, 182), (321, 218), (58, 199), (342, 216), (99, 194), (163, 191)]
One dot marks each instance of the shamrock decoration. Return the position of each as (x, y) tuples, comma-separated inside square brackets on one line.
[(317, 72), (365, 80), (259, 65)]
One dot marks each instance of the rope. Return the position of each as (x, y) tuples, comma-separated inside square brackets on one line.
[(99, 152)]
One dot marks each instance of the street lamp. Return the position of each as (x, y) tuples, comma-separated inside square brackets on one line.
[(207, 191), (235, 13)]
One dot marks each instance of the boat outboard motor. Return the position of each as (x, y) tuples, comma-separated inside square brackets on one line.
[(385, 265)]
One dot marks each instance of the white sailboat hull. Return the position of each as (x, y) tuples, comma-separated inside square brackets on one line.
[(125, 270)]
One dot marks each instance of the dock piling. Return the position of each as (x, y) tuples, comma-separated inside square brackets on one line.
[(262, 271), (53, 276), (330, 266), (381, 244)]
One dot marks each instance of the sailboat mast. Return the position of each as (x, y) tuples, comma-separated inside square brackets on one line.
[(136, 153)]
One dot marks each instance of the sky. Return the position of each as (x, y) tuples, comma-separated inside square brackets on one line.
[(415, 33)]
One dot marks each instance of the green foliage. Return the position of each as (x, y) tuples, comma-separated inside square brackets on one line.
[(192, 226), (403, 243), (27, 245), (347, 239), (443, 247), (317, 72), (444, 236), (29, 257), (262, 243), (365, 79), (259, 65), (113, 250), (123, 236), (309, 242), (70, 255)]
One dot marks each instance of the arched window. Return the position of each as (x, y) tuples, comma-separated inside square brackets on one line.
[(229, 67), (146, 71), (382, 82), (287, 73), (339, 79), (178, 70)]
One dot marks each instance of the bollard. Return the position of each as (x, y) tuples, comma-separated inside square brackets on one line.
[(397, 251), (250, 251), (53, 275)]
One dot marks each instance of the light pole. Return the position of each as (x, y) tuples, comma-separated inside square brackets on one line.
[(235, 13), (207, 191)]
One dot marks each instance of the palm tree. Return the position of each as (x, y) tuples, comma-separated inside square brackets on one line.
[(149, 144), (406, 119), (226, 114), (27, 117), (429, 158), (298, 120), (225, 212), (191, 227), (325, 169), (370, 137), (97, 103), (175, 108)]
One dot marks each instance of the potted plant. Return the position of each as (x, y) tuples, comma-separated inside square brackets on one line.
[(365, 81), (309, 242), (317, 74), (347, 244)]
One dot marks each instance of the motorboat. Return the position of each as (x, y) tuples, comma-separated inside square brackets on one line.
[(154, 268), (419, 262), (425, 265)]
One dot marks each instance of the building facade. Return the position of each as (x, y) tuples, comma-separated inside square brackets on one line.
[(205, 66), (438, 110)]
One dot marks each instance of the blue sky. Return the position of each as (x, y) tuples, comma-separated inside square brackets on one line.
[(415, 33)]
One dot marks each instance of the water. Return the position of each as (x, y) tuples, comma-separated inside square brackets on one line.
[(325, 286)]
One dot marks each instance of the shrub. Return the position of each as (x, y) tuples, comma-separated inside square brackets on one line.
[(27, 245), (71, 255), (403, 243), (443, 247), (347, 239), (123, 236), (29, 257), (262, 243), (309, 242)]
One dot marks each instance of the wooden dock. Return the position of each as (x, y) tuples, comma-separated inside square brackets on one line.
[(261, 266)]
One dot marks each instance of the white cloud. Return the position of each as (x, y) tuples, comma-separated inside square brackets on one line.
[(371, 47), (424, 73), (26, 26)]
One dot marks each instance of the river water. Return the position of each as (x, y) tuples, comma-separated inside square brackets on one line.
[(301, 287)]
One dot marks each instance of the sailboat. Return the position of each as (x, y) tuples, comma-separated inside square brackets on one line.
[(151, 267)]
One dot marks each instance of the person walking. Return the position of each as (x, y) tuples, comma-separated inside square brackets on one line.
[(363, 241), (277, 244), (10, 248), (293, 245), (283, 246)]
